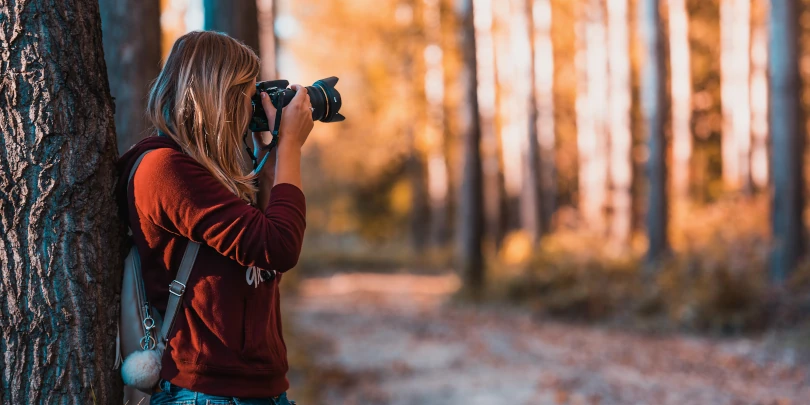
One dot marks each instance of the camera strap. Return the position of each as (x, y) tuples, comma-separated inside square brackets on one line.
[(277, 100)]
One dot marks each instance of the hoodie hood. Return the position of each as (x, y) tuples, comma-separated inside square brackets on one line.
[(127, 160)]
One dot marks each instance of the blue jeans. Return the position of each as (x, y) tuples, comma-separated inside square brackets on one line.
[(174, 395)]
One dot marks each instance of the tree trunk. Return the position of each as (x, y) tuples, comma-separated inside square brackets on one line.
[(60, 249), (788, 141), (681, 68), (653, 107), (620, 167), (592, 114), (437, 173), (735, 81), (471, 211), (490, 148), (268, 41), (131, 31), (539, 181), (237, 18), (759, 95)]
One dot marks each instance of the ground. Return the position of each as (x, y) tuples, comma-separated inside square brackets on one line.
[(399, 340)]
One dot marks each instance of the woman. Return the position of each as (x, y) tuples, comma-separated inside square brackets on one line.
[(196, 184)]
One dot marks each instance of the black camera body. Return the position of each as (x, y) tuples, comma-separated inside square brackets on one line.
[(323, 96)]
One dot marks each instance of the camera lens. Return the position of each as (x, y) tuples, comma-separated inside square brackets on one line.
[(326, 100)]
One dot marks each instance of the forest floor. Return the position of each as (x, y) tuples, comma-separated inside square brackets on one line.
[(401, 340)]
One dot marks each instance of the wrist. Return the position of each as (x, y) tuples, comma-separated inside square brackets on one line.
[(285, 148)]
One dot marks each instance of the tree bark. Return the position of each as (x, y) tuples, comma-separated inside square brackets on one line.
[(237, 18), (471, 211), (653, 103), (131, 31), (60, 239), (787, 136)]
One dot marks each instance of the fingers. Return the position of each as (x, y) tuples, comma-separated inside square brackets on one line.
[(301, 96), (267, 104)]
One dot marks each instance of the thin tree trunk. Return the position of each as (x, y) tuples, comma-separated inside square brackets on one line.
[(592, 114), (759, 96), (653, 107), (681, 68), (237, 18), (471, 211), (539, 181), (60, 239), (268, 41), (131, 31), (437, 175), (620, 168), (788, 141), (494, 194), (735, 77)]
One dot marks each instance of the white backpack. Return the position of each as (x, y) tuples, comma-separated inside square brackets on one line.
[(142, 333)]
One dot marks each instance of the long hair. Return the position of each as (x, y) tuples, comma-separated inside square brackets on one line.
[(200, 100)]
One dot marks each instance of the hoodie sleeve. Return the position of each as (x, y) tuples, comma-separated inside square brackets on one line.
[(176, 193)]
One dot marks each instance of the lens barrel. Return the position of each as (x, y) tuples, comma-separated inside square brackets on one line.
[(325, 99)]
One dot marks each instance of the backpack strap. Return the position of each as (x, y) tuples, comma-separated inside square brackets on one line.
[(178, 286)]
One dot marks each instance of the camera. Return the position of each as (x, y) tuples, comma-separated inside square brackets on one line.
[(325, 99)]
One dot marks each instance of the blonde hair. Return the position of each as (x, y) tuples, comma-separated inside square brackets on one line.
[(199, 100)]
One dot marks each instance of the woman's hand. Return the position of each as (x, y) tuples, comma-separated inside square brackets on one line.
[(296, 124), (296, 119)]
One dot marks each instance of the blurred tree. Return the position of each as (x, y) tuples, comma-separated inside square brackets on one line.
[(131, 30), (268, 41), (759, 93), (493, 182), (620, 169), (237, 18), (471, 211), (787, 141), (653, 104), (735, 76), (61, 242), (539, 189), (592, 113), (681, 76), (434, 132)]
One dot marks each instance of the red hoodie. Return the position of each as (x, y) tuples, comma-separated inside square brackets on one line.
[(227, 339)]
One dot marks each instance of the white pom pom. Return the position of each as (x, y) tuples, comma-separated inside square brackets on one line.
[(141, 369)]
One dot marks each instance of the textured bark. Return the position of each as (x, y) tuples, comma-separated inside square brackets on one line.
[(237, 18), (653, 106), (132, 50), (60, 250), (471, 217), (787, 136)]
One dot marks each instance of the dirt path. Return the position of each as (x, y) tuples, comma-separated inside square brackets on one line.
[(394, 341)]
